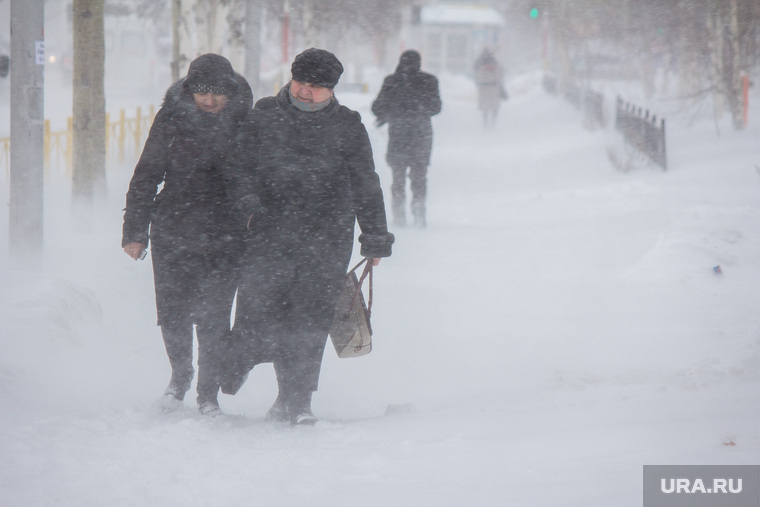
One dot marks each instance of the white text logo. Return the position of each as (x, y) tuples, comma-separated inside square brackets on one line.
[(698, 486)]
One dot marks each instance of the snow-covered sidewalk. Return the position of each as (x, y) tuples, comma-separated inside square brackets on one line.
[(557, 326)]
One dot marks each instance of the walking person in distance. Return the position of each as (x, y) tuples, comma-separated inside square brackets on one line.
[(407, 101), (489, 77)]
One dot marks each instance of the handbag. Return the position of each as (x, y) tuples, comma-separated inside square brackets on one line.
[(351, 332)]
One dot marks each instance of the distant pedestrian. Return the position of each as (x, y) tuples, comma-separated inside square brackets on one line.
[(489, 77), (193, 246), (407, 101)]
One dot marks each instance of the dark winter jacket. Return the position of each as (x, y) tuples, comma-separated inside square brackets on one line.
[(305, 178), (407, 100), (312, 176), (188, 221)]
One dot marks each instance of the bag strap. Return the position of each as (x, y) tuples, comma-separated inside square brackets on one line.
[(365, 273)]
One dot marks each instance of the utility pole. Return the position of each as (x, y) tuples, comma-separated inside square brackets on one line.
[(27, 129), (253, 45)]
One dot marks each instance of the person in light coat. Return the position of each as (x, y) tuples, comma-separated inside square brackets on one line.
[(489, 77)]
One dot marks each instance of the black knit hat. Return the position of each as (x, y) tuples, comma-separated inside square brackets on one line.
[(409, 62), (317, 67), (211, 73)]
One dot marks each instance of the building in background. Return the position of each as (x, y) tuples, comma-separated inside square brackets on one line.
[(450, 36)]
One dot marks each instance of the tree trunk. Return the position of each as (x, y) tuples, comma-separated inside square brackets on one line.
[(715, 44), (89, 156), (734, 70)]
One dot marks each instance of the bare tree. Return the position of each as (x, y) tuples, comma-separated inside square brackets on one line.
[(710, 45), (89, 176), (350, 22)]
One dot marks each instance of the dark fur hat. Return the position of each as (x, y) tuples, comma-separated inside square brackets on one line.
[(211, 73), (318, 67)]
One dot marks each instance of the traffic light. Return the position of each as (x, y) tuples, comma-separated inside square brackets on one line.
[(534, 13)]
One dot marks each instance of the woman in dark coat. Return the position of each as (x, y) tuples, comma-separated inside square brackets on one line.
[(309, 176), (407, 100), (194, 247)]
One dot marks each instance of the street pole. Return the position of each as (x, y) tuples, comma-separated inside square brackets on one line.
[(27, 129)]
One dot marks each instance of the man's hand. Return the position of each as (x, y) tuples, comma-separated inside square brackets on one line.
[(134, 249)]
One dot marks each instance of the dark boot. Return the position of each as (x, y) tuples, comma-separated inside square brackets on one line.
[(299, 409), (418, 210), (399, 212), (174, 394), (178, 341), (279, 410), (210, 408), (398, 196), (180, 382), (418, 175), (209, 372), (296, 384)]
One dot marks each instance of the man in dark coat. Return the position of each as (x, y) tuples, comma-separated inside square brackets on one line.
[(305, 175), (407, 100), (194, 247)]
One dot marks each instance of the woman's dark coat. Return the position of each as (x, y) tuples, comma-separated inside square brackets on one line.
[(193, 244), (407, 100), (306, 178)]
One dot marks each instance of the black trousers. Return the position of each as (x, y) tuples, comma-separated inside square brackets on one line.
[(418, 179), (194, 290)]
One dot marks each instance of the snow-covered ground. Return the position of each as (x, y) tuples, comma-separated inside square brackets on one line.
[(557, 326)]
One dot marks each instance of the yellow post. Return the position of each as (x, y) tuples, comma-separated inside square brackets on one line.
[(122, 134), (69, 145), (46, 144), (137, 129), (5, 153)]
